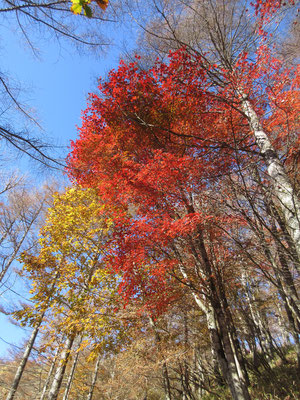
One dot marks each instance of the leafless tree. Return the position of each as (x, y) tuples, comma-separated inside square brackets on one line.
[(20, 219)]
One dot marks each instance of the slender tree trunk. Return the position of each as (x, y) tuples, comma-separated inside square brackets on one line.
[(297, 345), (166, 380), (289, 285), (185, 374), (60, 371), (216, 320), (51, 369), (211, 328), (272, 211), (24, 360), (221, 346), (288, 290), (20, 242), (94, 380), (286, 340), (259, 331), (295, 333), (238, 387), (199, 375), (184, 381), (71, 374), (282, 275), (292, 322), (14, 254), (236, 348), (282, 188), (29, 347)]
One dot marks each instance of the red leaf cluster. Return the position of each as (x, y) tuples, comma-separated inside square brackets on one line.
[(158, 144)]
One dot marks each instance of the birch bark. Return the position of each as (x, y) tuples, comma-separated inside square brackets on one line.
[(221, 344), (282, 187), (71, 374), (60, 371), (51, 369), (97, 366), (23, 362)]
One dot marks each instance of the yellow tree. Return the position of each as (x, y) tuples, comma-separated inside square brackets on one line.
[(70, 282)]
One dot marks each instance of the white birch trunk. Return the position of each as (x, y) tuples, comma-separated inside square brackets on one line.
[(222, 351), (23, 362), (71, 374), (90, 395), (51, 369), (60, 371), (282, 187)]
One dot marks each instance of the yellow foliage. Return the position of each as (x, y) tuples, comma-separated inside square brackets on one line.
[(69, 275)]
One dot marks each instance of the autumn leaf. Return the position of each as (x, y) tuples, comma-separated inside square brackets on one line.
[(102, 4), (87, 11), (76, 7), (79, 5)]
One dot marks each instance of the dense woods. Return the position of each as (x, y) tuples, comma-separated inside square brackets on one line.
[(169, 268)]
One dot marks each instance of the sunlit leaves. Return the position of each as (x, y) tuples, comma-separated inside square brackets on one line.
[(102, 4), (83, 5), (69, 277), (160, 143)]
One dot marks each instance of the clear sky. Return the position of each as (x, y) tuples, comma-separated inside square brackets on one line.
[(56, 84), (56, 87)]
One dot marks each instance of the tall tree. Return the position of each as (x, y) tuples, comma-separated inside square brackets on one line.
[(161, 143), (222, 32), (82, 300)]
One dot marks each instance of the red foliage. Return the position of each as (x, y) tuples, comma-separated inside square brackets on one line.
[(265, 8), (158, 143)]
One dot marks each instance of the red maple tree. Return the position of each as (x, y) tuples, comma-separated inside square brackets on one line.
[(157, 138), (158, 144)]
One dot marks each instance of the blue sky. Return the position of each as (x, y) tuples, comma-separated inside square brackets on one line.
[(56, 86)]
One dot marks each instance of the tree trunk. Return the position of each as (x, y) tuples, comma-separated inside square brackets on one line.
[(233, 337), (282, 188), (221, 330), (286, 290), (90, 395), (24, 360), (71, 374), (221, 341), (166, 380), (51, 369), (216, 360), (185, 372), (219, 334), (199, 375), (259, 331), (292, 322), (60, 371)]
